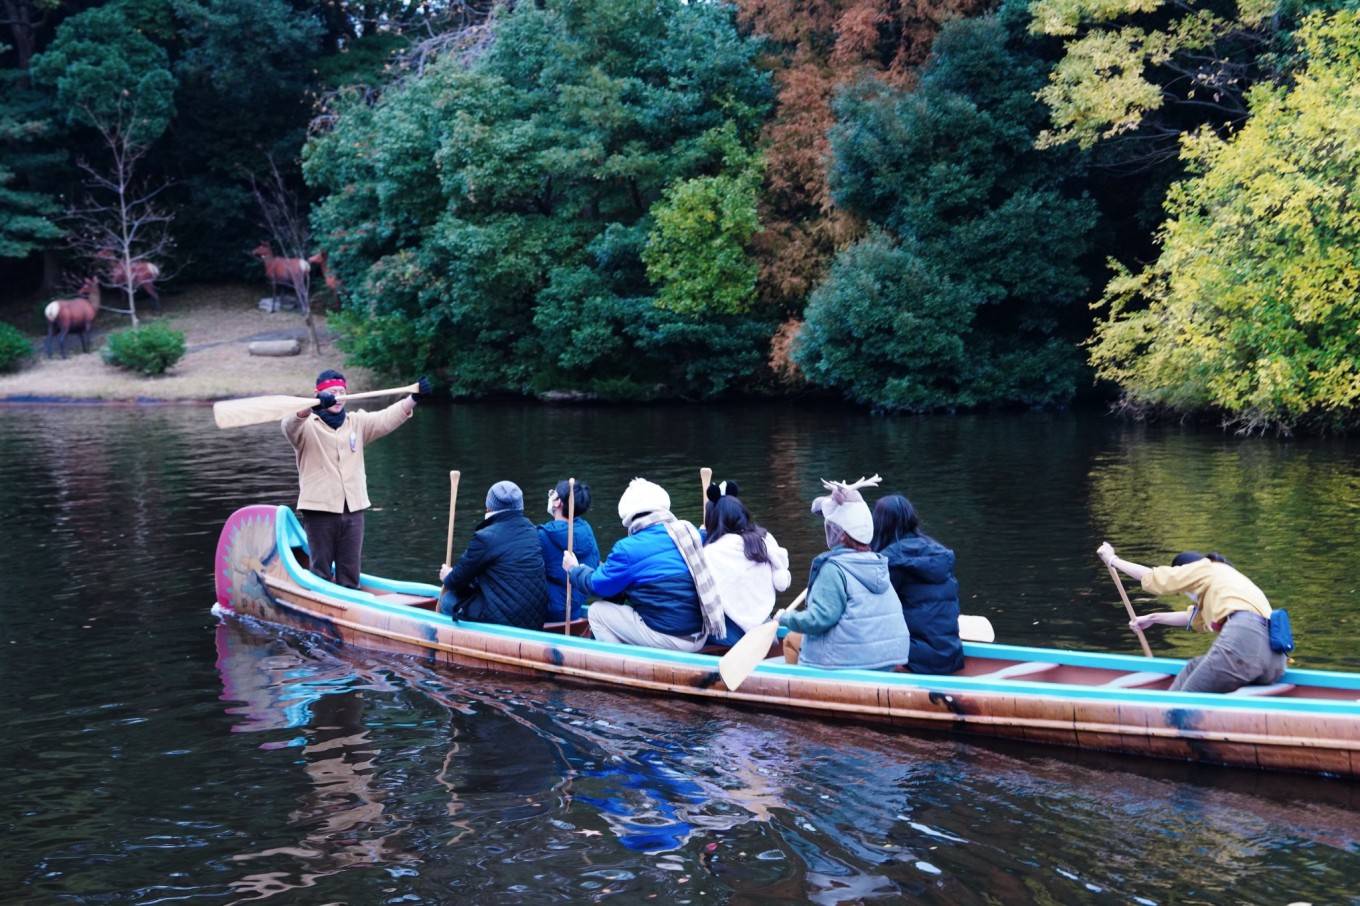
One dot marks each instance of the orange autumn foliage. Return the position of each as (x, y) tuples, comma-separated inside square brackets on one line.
[(821, 45)]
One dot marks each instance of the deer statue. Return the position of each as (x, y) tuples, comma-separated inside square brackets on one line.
[(144, 275), (73, 316), (290, 272), (322, 262)]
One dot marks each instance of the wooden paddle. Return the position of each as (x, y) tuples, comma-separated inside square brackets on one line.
[(453, 505), (255, 410), (1119, 584), (571, 534), (445, 595), (705, 479), (975, 628), (751, 649)]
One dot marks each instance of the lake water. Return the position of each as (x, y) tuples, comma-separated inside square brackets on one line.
[(153, 754)]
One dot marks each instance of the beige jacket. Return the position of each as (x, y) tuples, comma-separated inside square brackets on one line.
[(331, 463)]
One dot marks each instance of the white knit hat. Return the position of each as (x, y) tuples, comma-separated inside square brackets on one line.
[(845, 508), (642, 496)]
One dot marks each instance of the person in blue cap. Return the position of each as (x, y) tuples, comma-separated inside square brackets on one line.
[(499, 577)]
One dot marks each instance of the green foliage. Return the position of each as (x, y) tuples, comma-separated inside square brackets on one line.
[(109, 75), (15, 348), (697, 251), (887, 327), (490, 217), (148, 350), (1251, 306), (984, 229), (25, 215), (245, 73)]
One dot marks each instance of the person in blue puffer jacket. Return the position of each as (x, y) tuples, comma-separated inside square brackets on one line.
[(853, 619), (552, 537), (922, 571), (662, 588)]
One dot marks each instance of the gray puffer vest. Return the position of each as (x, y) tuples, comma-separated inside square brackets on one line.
[(872, 632)]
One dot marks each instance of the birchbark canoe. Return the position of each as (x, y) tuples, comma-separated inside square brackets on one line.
[(1308, 722)]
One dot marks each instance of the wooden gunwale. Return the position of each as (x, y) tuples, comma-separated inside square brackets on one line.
[(1313, 734)]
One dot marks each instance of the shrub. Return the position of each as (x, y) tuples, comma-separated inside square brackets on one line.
[(14, 348), (148, 350)]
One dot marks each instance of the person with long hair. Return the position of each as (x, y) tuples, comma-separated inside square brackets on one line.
[(748, 565), (922, 572), (1223, 601)]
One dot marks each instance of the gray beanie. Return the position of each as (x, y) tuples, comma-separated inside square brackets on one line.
[(504, 495)]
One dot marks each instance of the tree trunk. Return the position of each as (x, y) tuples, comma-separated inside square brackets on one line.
[(311, 328), (51, 266)]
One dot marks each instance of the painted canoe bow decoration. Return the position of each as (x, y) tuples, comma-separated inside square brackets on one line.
[(1308, 722)]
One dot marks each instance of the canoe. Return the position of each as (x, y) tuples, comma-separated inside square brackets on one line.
[(1308, 722)]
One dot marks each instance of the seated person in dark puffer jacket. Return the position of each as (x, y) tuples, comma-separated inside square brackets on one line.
[(499, 578), (922, 572), (552, 536)]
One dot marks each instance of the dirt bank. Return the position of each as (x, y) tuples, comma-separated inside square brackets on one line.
[(218, 322)]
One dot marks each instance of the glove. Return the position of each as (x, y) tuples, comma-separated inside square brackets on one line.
[(424, 389), (324, 400)]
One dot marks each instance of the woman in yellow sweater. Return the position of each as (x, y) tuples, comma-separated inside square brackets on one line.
[(1225, 602)]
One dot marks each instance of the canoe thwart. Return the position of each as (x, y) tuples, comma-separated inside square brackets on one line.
[(1019, 671), (1272, 689), (1134, 680), (579, 627)]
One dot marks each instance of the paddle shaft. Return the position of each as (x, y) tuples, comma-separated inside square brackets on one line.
[(705, 479), (254, 410), (571, 537), (1128, 605), (453, 505)]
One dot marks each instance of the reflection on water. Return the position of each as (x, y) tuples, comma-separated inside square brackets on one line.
[(164, 756)]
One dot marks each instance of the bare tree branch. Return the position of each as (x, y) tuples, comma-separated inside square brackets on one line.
[(118, 227)]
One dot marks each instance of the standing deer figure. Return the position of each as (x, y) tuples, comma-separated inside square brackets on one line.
[(291, 272), (322, 261), (73, 316), (144, 275)]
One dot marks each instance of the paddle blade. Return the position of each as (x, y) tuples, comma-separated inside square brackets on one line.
[(976, 629), (750, 650), (256, 410)]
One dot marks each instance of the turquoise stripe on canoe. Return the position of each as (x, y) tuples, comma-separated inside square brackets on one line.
[(290, 534)]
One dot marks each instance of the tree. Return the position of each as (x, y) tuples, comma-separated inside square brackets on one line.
[(1250, 308), (26, 223), (697, 252), (490, 212), (814, 50), (285, 221), (949, 175), (109, 77), (1138, 74)]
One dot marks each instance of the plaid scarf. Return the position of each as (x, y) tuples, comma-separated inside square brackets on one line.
[(686, 538)]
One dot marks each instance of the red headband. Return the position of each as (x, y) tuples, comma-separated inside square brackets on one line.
[(329, 383)]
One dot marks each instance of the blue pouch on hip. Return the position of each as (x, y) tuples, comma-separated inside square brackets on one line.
[(1281, 636)]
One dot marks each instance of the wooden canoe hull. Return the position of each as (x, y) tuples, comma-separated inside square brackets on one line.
[(258, 576)]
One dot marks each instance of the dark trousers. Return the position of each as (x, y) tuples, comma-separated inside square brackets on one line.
[(335, 538)]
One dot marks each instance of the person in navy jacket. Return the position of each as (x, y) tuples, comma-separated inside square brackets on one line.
[(499, 578), (552, 537), (922, 572)]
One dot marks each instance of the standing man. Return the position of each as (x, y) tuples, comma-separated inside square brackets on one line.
[(332, 487)]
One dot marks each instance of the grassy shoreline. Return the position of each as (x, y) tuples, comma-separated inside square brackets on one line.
[(218, 323)]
